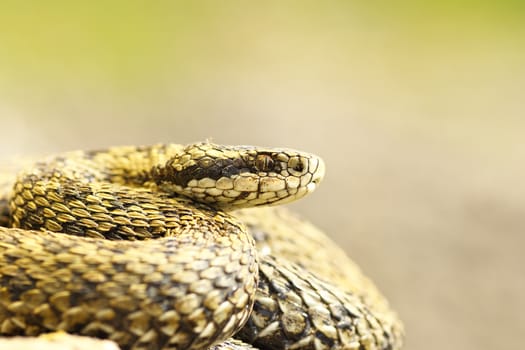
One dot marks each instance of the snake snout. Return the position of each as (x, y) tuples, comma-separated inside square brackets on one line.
[(318, 173)]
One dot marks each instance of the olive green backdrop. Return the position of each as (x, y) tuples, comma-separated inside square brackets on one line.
[(417, 108)]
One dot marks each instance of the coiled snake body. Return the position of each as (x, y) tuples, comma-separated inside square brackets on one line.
[(184, 266)]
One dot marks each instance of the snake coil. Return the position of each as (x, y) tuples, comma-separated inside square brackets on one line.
[(159, 253)]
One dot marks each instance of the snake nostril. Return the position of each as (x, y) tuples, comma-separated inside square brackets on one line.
[(297, 165)]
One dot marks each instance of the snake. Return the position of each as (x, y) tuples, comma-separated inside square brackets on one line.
[(177, 246)]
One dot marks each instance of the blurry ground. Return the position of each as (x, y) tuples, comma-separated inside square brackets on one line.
[(418, 110)]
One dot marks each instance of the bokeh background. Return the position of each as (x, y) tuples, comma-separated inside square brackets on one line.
[(417, 107)]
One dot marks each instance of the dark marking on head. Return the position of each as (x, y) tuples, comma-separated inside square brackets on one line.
[(215, 168), (205, 168)]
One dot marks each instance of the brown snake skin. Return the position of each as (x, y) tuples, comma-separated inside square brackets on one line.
[(180, 269)]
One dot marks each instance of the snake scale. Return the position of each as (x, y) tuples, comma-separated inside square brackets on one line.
[(163, 251)]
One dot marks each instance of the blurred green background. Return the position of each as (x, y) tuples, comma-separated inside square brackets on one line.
[(418, 109)]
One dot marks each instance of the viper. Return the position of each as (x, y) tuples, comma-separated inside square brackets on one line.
[(181, 247)]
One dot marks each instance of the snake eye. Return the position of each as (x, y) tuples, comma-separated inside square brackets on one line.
[(264, 162)]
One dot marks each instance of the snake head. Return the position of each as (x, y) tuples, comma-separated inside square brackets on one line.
[(231, 177)]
